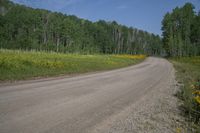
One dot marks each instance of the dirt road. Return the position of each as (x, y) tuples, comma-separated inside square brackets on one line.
[(79, 104)]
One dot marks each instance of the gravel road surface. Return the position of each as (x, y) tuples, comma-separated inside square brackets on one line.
[(99, 102)]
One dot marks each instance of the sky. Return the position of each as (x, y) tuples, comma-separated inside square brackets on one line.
[(142, 14)]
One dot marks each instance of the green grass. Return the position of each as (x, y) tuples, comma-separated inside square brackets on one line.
[(18, 65), (188, 74)]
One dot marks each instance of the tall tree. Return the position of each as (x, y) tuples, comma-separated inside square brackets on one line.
[(179, 31)]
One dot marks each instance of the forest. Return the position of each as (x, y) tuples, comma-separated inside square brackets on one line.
[(181, 32), (26, 28)]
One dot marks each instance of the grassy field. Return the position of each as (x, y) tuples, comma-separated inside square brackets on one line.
[(17, 65), (188, 74)]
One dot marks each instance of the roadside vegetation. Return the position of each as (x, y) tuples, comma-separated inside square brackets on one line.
[(181, 30), (188, 76), (16, 64)]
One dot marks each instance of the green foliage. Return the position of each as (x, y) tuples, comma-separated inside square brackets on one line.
[(188, 74), (15, 65), (26, 28), (181, 30)]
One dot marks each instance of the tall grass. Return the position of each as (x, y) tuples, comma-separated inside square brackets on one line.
[(16, 64), (188, 74)]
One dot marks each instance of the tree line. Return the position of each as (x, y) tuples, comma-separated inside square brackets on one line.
[(23, 27), (181, 31), (27, 28)]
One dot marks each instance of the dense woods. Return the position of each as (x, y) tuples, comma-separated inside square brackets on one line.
[(26, 28), (181, 31)]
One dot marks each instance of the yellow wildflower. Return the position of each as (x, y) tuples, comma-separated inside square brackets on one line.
[(197, 98), (197, 92), (178, 130), (131, 56)]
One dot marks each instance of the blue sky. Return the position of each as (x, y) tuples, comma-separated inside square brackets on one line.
[(142, 14)]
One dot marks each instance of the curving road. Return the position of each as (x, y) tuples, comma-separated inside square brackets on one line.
[(78, 104)]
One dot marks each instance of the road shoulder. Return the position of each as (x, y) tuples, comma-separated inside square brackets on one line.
[(156, 112)]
